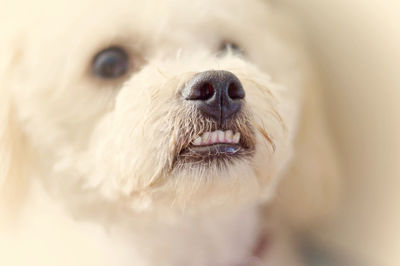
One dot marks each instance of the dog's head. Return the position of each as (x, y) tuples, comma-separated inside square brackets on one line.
[(141, 104)]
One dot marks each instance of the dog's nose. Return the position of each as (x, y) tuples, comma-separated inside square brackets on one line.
[(217, 94)]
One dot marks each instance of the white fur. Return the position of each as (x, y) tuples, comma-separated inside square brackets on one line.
[(92, 157)]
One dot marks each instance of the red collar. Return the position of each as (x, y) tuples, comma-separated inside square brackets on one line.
[(259, 251), (261, 247)]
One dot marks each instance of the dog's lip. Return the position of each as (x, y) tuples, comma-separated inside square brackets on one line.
[(213, 149)]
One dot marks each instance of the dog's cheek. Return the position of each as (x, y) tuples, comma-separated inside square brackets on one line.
[(274, 127), (129, 145)]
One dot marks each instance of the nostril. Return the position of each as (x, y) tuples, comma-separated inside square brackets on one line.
[(206, 91), (235, 91), (202, 92)]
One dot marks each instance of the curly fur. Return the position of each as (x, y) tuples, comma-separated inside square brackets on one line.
[(99, 158)]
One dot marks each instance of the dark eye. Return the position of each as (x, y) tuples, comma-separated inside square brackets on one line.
[(110, 63), (230, 46)]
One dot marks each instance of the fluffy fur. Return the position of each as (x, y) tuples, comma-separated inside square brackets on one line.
[(88, 173)]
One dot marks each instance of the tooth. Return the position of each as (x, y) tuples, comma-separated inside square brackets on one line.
[(205, 138), (221, 135), (197, 141), (214, 137), (236, 137), (228, 136)]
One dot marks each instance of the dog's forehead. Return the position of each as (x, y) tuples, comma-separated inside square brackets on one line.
[(80, 27), (150, 12)]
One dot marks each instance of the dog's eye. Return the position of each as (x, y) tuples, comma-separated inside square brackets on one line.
[(110, 63), (230, 46)]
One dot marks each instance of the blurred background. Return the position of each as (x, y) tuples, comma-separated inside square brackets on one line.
[(356, 46)]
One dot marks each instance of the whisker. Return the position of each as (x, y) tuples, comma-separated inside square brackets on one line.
[(275, 114), (265, 134)]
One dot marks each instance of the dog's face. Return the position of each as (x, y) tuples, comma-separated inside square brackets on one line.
[(182, 104)]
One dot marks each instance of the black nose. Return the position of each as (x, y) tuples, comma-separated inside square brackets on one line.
[(217, 94)]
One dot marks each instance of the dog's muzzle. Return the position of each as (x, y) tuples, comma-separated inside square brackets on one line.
[(218, 96)]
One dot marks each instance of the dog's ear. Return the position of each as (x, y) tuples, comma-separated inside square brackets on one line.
[(13, 151), (310, 191)]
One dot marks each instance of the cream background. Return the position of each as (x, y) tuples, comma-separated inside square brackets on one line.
[(356, 44)]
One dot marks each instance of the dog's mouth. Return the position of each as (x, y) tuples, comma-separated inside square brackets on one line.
[(196, 141), (218, 145), (215, 142)]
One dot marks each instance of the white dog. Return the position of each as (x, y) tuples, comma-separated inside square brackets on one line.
[(156, 133)]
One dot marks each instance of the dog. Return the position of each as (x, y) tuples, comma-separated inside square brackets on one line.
[(154, 133)]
